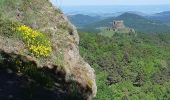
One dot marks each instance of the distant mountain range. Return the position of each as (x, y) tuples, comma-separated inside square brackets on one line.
[(163, 17), (80, 20), (155, 23), (112, 9)]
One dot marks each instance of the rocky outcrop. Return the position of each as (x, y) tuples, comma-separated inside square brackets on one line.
[(64, 59)]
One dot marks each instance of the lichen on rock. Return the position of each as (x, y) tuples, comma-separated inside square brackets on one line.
[(64, 60)]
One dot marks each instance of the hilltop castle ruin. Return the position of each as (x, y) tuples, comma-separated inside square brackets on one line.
[(118, 26)]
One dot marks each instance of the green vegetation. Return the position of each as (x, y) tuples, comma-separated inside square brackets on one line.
[(142, 24), (6, 27), (110, 33), (129, 67), (37, 42)]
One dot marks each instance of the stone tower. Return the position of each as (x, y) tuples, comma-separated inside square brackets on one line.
[(118, 25)]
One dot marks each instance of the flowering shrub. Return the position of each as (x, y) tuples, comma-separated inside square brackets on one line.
[(37, 43)]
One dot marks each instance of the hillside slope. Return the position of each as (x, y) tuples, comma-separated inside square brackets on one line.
[(38, 43), (142, 24), (129, 67)]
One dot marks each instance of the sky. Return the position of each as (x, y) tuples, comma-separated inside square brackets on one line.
[(109, 2)]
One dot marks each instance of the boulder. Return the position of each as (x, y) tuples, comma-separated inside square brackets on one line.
[(64, 61)]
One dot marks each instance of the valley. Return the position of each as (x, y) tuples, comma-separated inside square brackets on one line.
[(84, 50), (129, 65)]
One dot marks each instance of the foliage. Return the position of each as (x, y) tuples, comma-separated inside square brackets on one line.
[(37, 42), (128, 66)]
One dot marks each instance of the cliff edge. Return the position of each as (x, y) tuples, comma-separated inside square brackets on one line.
[(39, 45)]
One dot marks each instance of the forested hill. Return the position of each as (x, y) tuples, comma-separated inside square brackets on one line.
[(81, 20), (162, 16), (129, 67), (137, 22)]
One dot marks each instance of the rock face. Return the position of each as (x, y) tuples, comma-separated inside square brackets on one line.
[(64, 59)]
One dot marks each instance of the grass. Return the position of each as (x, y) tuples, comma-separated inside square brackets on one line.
[(7, 27)]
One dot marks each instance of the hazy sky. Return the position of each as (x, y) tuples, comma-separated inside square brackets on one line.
[(110, 2)]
